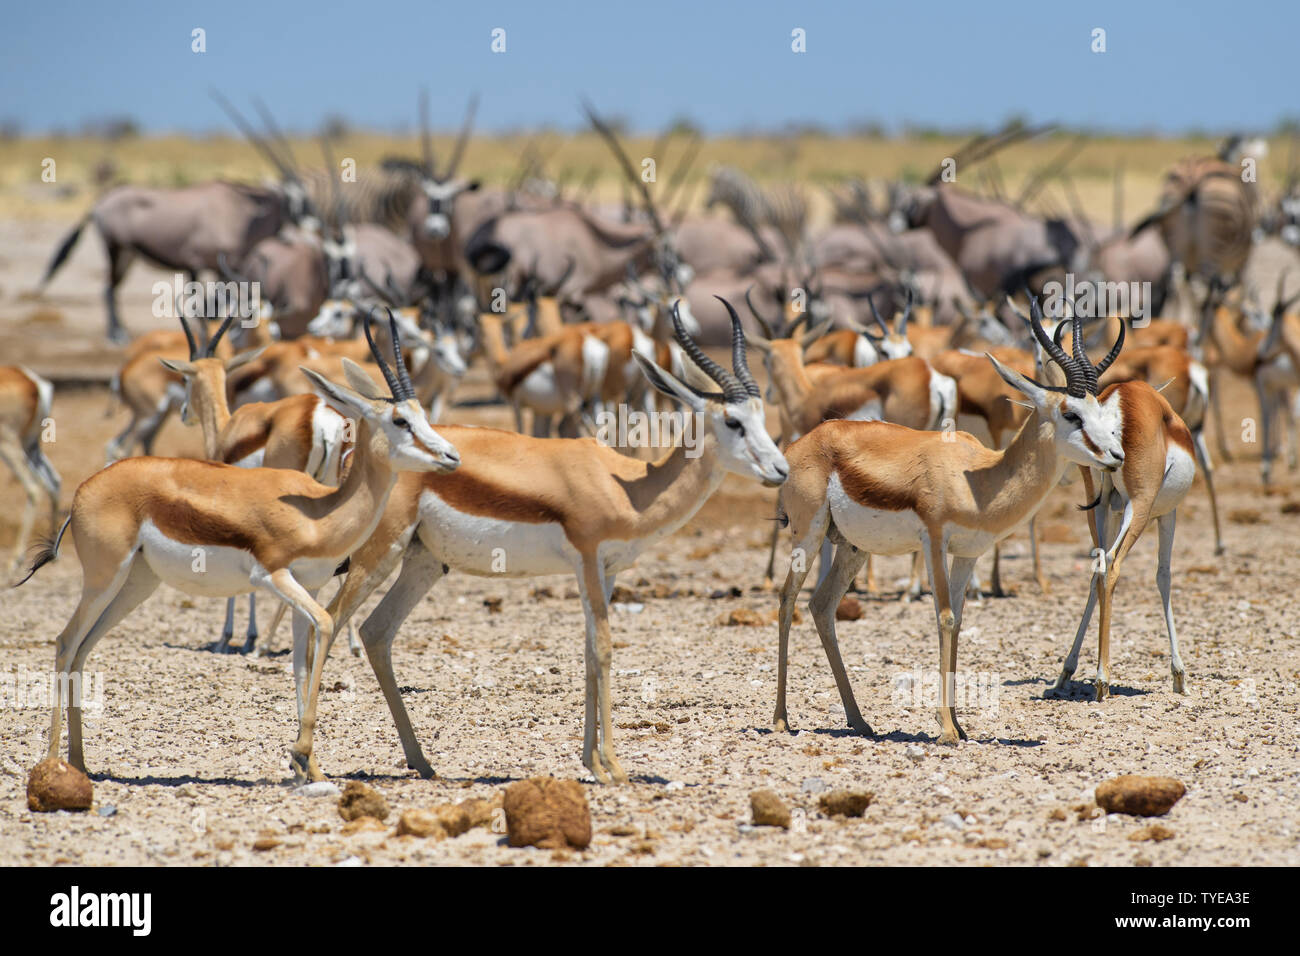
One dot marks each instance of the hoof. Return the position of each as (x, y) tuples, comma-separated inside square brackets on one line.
[(1103, 690), (950, 739), (862, 728), (425, 771), (780, 725), (1180, 683)]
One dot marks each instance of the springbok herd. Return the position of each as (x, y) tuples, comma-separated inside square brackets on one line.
[(933, 387)]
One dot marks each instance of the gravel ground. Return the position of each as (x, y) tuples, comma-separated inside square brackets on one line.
[(191, 748)]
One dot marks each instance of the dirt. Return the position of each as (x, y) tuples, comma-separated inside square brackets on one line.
[(189, 753)]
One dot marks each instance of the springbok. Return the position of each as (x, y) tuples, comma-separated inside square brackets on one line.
[(302, 432), (555, 506), (1159, 465), (877, 487), (146, 520), (25, 400)]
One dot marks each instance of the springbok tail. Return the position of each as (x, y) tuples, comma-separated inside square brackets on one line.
[(46, 551)]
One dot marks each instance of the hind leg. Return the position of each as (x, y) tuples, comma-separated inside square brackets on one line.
[(1166, 524), (1207, 470), (847, 562), (139, 584)]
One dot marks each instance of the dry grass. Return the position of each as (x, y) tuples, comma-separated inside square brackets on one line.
[(818, 160)]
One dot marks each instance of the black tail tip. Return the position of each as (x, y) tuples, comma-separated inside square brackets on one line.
[(43, 554)]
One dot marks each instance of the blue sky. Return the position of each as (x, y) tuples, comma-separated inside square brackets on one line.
[(726, 65)]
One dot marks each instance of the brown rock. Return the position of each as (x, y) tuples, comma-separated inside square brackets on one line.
[(55, 784), (1139, 796), (1157, 833), (261, 844), (421, 823), (479, 811), (363, 825), (845, 803), (769, 810), (850, 609), (359, 800), (547, 813), (741, 617)]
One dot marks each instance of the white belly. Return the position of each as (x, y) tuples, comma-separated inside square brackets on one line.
[(871, 529), (537, 391), (489, 546), (196, 569)]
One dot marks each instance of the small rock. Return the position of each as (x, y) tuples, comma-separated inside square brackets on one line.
[(850, 609), (547, 813), (740, 617), (321, 788), (359, 800), (350, 861), (845, 803), (769, 810), (915, 753), (55, 784), (1157, 833), (363, 825), (1139, 796), (261, 844), (107, 810), (954, 821), (480, 812), (421, 823)]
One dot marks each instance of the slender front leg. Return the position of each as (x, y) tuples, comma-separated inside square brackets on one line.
[(593, 588), (1096, 528), (227, 629), (848, 561), (1133, 522), (936, 561), (799, 558), (1166, 524), (307, 665)]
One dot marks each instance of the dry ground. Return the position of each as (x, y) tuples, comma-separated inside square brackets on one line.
[(190, 748)]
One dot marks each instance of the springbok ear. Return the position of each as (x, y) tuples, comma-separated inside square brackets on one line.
[(243, 358), (342, 398), (667, 383), (177, 366), (1018, 381), (360, 380)]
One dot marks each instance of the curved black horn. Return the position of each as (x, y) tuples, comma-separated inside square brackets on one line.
[(1113, 354), (1055, 352), (403, 377), (189, 336), (762, 322), (739, 362), (394, 385), (211, 350), (871, 301), (731, 388)]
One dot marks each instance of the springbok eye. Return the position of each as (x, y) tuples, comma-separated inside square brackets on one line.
[(735, 425), (399, 421), (1072, 418)]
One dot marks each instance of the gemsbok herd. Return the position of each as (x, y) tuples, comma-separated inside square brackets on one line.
[(934, 424)]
